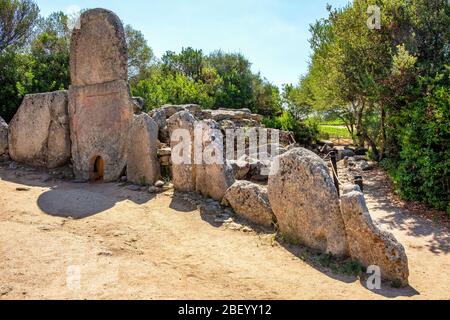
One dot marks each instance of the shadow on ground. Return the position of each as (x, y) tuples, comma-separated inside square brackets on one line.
[(66, 198), (347, 271), (403, 218)]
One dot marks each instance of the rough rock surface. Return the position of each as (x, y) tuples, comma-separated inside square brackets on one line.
[(370, 245), (214, 175), (100, 118), (100, 105), (183, 172), (3, 137), (142, 160), (39, 132), (305, 202), (241, 168), (98, 49), (250, 201)]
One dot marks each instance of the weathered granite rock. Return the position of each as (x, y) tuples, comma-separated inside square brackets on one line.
[(183, 168), (3, 137), (214, 175), (142, 160), (39, 132), (98, 49), (138, 104), (100, 118), (347, 188), (305, 202), (250, 201), (241, 168), (170, 109), (159, 116), (370, 245), (100, 105)]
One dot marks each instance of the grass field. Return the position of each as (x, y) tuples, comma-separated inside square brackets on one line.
[(331, 131)]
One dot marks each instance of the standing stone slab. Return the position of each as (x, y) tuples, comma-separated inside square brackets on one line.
[(100, 105), (98, 49), (100, 118), (3, 137), (213, 175), (181, 131), (143, 165), (370, 245), (39, 131), (305, 202)]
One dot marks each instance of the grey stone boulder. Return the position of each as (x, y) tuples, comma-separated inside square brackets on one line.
[(142, 158), (241, 168), (251, 202), (214, 175), (370, 245), (39, 132), (3, 137), (183, 172), (306, 203), (170, 109)]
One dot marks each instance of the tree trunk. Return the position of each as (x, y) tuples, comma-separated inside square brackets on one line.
[(360, 132), (383, 132)]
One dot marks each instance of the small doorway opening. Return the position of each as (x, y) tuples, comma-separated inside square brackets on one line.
[(98, 169)]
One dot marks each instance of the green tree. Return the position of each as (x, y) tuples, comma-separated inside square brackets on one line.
[(15, 79), (236, 90), (140, 54), (17, 19), (50, 51)]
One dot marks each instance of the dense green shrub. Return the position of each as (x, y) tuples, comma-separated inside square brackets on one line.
[(422, 170), (305, 134)]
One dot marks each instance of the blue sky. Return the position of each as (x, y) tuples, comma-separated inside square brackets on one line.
[(272, 34)]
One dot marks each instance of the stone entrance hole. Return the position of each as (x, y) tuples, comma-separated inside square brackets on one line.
[(97, 169)]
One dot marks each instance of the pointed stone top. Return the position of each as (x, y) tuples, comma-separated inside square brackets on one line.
[(98, 49)]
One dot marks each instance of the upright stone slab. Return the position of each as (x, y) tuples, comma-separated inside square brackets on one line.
[(143, 164), (305, 202), (39, 131), (370, 245), (213, 175), (181, 131), (100, 104), (98, 49)]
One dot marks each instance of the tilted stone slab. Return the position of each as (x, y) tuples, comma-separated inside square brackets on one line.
[(370, 245)]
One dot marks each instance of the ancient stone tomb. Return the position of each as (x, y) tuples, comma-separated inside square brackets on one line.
[(94, 125)]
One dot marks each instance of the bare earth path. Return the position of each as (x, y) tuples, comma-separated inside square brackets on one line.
[(133, 245)]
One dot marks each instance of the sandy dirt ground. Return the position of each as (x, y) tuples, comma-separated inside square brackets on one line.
[(132, 245)]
